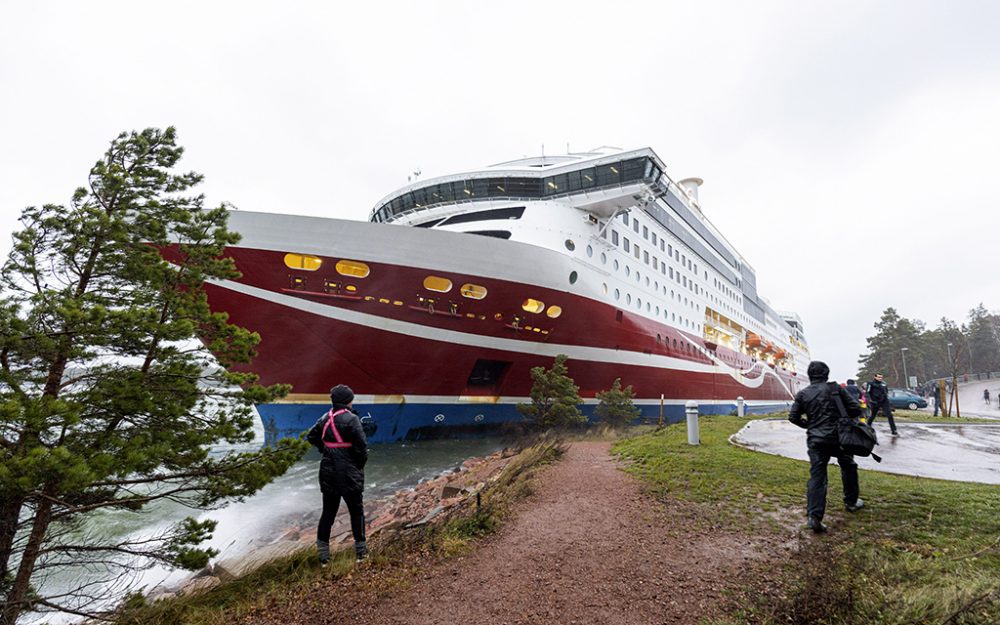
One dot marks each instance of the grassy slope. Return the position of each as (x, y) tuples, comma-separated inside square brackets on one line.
[(923, 551), (299, 578)]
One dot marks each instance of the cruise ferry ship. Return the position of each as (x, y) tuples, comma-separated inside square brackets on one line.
[(436, 309)]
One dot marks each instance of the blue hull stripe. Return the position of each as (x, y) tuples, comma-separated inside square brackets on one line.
[(437, 420)]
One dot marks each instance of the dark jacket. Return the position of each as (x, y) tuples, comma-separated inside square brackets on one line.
[(878, 392), (853, 391), (815, 411), (342, 470)]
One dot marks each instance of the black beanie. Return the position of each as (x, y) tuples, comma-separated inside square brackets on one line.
[(341, 395), (818, 371)]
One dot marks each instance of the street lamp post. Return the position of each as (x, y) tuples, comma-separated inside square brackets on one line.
[(906, 379)]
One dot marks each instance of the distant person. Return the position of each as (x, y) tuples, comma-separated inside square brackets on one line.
[(815, 411), (340, 437), (853, 390), (986, 396), (937, 399), (878, 399)]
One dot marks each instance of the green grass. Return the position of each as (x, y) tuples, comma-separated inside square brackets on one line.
[(917, 416), (923, 551), (299, 577)]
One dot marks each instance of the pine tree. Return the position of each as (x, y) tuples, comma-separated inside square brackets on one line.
[(107, 401), (555, 399), (615, 406)]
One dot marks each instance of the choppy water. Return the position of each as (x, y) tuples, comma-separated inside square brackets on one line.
[(259, 519)]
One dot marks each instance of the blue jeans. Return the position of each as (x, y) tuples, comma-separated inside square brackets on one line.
[(819, 457)]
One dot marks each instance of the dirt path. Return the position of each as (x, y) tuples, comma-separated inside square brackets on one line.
[(587, 547)]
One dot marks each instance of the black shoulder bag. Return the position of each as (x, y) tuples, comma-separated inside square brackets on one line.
[(856, 437)]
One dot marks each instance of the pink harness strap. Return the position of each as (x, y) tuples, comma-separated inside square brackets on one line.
[(340, 444)]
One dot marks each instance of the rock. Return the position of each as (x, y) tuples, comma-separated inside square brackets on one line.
[(238, 566), (198, 584), (430, 515), (447, 492)]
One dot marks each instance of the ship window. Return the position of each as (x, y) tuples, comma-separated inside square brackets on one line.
[(645, 257), (473, 291), (654, 239), (604, 258), (618, 294), (635, 225), (645, 232), (352, 268), (570, 245), (616, 264), (572, 277), (626, 245), (614, 237), (496, 234), (636, 250), (625, 218), (628, 298), (532, 306), (497, 213), (604, 287), (303, 261), (435, 283), (590, 251), (554, 311)]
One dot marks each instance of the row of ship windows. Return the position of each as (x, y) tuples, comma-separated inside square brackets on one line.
[(672, 252), (676, 255), (438, 284)]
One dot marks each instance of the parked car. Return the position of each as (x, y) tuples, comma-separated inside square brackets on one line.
[(901, 398)]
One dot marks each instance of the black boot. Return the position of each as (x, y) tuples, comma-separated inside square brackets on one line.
[(361, 550), (323, 547), (815, 525)]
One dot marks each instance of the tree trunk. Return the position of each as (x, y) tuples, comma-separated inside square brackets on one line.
[(15, 602), (10, 512)]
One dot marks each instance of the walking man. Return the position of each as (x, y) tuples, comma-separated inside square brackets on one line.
[(878, 399), (986, 396), (937, 399), (815, 410)]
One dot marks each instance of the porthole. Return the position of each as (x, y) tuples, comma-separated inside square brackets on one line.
[(303, 261), (435, 283), (532, 306), (554, 311), (628, 298), (473, 291), (570, 245), (604, 287), (616, 264), (618, 294), (352, 268), (638, 303), (604, 258), (628, 270), (572, 277), (590, 251)]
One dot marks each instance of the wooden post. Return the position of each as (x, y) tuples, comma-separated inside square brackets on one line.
[(661, 410)]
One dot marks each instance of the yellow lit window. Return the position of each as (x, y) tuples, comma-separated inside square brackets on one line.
[(303, 261), (351, 288), (533, 305), (554, 311), (352, 268), (435, 283), (473, 291)]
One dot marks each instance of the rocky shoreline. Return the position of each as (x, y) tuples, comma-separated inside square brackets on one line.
[(429, 502)]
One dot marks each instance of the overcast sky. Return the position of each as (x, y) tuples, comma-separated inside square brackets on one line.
[(849, 149)]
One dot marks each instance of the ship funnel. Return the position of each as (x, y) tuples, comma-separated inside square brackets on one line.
[(690, 186)]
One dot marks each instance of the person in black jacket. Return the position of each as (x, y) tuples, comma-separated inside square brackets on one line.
[(340, 437), (814, 410), (878, 399)]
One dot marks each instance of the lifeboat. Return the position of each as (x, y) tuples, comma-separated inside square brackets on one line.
[(753, 340), (768, 346), (780, 353)]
